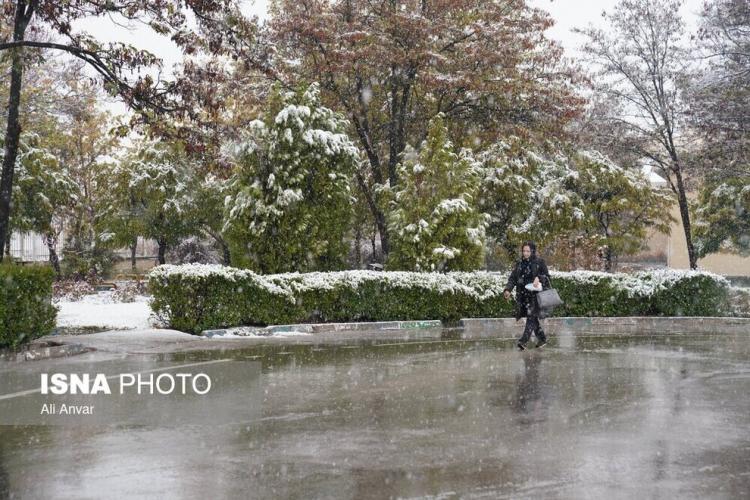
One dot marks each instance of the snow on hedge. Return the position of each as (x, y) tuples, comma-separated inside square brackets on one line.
[(641, 283), (165, 272), (196, 297), (478, 284)]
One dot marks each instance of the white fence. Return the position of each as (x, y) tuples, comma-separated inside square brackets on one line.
[(31, 247)]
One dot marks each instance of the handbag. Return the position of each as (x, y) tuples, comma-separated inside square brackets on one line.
[(547, 299)]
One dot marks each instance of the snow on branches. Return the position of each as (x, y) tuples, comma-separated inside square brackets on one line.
[(434, 219), (290, 202)]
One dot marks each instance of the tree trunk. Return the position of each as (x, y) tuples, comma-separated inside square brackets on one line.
[(377, 213), (685, 216), (358, 247), (13, 129), (608, 258), (226, 255), (372, 241), (49, 239), (399, 106), (133, 248), (384, 238), (576, 257), (362, 127), (162, 252)]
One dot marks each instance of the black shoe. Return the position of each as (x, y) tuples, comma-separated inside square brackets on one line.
[(541, 343), (521, 347)]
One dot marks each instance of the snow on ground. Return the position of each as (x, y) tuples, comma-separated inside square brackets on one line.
[(242, 332), (100, 310)]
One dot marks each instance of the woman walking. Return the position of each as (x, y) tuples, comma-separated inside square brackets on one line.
[(529, 269)]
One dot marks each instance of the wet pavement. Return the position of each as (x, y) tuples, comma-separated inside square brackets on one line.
[(430, 415)]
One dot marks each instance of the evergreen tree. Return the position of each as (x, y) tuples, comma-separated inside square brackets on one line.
[(434, 221), (290, 203)]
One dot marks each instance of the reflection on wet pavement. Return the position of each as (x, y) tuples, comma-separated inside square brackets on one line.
[(432, 417)]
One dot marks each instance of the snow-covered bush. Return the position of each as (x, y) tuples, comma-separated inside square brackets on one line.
[(87, 264), (71, 290), (662, 292), (195, 297), (26, 310), (739, 299), (193, 250), (126, 291)]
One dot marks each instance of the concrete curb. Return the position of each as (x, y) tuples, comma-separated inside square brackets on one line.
[(617, 324), (39, 349), (622, 324), (324, 327)]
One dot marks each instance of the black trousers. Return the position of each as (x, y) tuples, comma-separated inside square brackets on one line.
[(532, 326)]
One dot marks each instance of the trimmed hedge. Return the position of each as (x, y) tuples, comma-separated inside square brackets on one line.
[(197, 297), (26, 310)]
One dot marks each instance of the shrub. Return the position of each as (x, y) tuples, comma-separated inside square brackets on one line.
[(71, 290), (192, 250), (126, 291), (89, 264), (739, 299), (687, 293), (26, 310), (194, 297)]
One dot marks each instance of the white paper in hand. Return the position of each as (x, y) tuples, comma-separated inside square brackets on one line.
[(531, 287)]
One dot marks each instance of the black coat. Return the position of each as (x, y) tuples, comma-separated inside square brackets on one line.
[(526, 303)]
